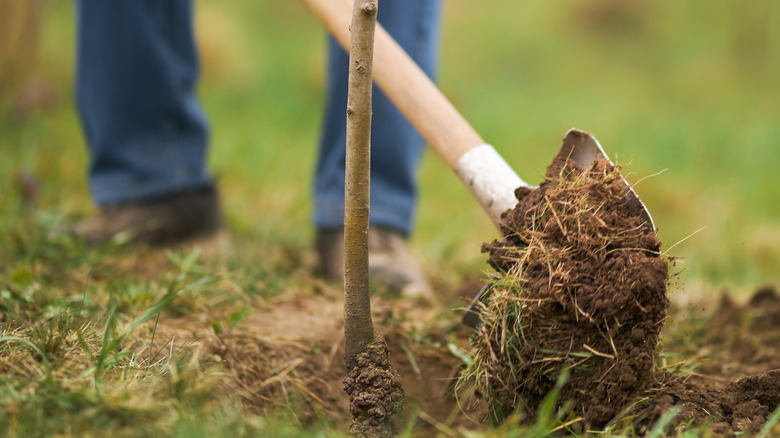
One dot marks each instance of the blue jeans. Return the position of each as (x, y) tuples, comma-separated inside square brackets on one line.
[(137, 69)]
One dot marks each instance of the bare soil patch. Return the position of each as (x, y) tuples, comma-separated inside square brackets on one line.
[(288, 355)]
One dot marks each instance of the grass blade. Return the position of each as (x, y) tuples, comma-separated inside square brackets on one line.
[(666, 419), (44, 359), (150, 312), (769, 424)]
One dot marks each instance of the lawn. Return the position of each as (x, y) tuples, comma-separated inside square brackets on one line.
[(680, 93)]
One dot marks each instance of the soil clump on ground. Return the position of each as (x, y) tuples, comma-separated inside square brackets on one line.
[(580, 288), (375, 393), (735, 381)]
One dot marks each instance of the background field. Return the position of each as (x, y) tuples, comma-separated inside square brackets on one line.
[(669, 86), (682, 87)]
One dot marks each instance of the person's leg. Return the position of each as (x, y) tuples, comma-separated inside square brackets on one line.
[(137, 68), (396, 147)]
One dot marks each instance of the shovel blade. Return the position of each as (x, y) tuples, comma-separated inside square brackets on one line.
[(584, 149)]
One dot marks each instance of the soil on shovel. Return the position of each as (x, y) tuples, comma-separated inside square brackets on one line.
[(580, 289), (581, 292)]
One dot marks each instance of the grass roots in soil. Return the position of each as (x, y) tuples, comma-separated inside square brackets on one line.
[(580, 287)]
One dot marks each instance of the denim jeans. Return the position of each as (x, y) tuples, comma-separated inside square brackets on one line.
[(137, 70)]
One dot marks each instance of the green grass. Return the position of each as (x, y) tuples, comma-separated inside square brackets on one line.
[(678, 85)]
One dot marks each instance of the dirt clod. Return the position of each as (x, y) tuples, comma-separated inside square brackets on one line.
[(375, 393), (742, 340), (742, 406), (580, 287)]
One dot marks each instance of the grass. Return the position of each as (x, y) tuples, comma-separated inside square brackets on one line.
[(80, 353), (667, 85)]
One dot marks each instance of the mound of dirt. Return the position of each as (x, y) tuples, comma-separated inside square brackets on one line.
[(748, 403), (580, 287), (741, 407), (745, 338), (740, 339)]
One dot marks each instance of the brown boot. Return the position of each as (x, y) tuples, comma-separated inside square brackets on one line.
[(389, 261), (165, 221)]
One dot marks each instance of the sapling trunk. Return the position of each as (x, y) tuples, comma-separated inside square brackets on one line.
[(358, 326), (372, 384)]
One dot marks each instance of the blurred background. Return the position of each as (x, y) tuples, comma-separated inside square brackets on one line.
[(685, 90)]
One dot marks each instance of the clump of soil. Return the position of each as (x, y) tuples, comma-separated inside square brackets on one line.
[(375, 393), (746, 338), (748, 402), (581, 287), (742, 406), (739, 339)]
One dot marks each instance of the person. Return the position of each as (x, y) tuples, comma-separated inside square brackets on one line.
[(147, 135)]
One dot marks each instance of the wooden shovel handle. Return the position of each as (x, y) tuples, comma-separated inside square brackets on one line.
[(406, 85)]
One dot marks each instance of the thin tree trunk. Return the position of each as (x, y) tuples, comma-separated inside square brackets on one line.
[(373, 386), (358, 326)]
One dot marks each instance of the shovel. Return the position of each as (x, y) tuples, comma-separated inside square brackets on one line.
[(490, 179)]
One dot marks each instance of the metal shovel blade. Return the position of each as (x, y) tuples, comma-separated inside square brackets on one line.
[(583, 149)]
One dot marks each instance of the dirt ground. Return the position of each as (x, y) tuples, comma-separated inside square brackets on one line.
[(288, 355)]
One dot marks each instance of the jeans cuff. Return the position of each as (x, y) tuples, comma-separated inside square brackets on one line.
[(138, 191)]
